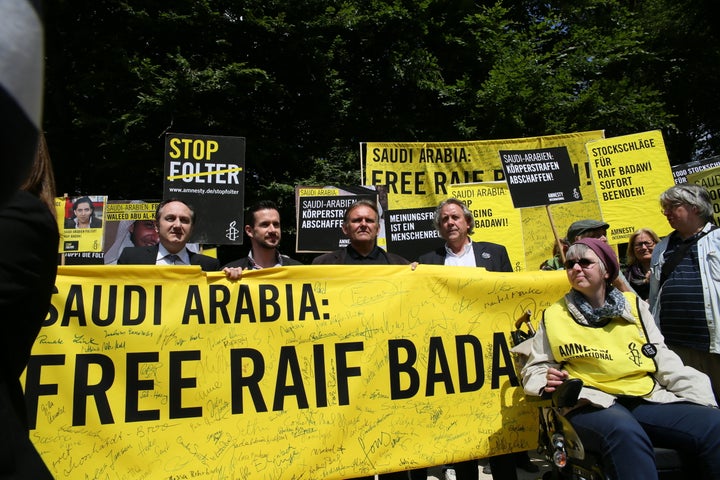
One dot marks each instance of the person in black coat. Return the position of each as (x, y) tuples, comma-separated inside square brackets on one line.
[(27, 279), (30, 235), (174, 220)]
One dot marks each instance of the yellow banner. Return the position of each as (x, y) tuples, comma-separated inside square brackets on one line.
[(419, 174), (710, 179), (630, 173), (318, 192), (303, 372)]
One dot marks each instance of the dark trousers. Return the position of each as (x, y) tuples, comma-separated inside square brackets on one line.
[(502, 466), (624, 436)]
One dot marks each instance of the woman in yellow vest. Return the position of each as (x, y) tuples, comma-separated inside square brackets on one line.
[(637, 393)]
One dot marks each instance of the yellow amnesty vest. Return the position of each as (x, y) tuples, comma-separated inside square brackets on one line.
[(608, 358)]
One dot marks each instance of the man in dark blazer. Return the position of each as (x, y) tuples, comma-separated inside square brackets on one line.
[(455, 224), (262, 226), (174, 220), (454, 221)]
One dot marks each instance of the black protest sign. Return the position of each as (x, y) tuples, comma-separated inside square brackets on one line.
[(540, 177), (680, 172), (320, 212), (412, 232), (208, 172)]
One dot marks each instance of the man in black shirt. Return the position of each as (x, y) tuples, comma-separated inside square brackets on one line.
[(361, 225)]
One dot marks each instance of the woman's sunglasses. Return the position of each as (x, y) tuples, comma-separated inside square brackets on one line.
[(584, 263)]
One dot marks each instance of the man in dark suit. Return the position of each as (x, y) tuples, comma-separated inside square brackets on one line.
[(455, 224), (174, 220), (262, 226), (454, 221)]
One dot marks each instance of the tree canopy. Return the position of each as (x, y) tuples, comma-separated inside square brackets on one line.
[(306, 80)]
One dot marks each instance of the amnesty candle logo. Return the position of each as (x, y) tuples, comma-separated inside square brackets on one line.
[(232, 233)]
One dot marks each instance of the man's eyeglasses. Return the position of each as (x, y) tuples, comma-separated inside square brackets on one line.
[(669, 207), (583, 262), (640, 245)]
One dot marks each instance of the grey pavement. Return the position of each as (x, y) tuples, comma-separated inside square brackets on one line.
[(436, 473)]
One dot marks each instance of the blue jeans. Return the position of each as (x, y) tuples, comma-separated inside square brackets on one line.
[(625, 433)]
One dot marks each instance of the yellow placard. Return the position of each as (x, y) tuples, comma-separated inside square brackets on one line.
[(116, 212), (318, 192), (630, 173), (710, 179)]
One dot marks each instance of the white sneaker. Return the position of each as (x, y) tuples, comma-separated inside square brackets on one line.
[(450, 474)]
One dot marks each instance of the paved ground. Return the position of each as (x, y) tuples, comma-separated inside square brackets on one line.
[(436, 473)]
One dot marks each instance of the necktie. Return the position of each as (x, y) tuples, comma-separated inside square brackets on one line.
[(173, 259)]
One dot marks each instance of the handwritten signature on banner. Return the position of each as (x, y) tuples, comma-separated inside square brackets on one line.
[(315, 372)]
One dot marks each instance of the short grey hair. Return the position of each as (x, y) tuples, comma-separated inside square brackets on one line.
[(689, 194), (466, 212)]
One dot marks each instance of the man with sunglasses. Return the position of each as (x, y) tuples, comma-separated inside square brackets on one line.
[(587, 229)]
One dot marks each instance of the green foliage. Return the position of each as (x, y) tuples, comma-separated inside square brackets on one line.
[(306, 81)]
